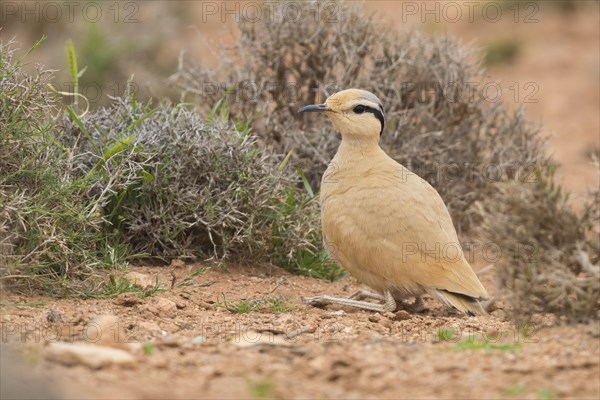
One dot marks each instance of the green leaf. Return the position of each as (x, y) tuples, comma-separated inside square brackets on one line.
[(142, 119), (148, 177), (35, 46), (83, 129), (305, 182), (116, 148), (285, 161), (213, 111)]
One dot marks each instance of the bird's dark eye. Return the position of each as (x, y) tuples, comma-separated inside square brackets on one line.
[(359, 109)]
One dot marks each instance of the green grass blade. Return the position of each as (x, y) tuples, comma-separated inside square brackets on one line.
[(32, 48), (83, 129), (305, 182), (72, 60)]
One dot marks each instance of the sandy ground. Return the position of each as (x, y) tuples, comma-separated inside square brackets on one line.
[(197, 348)]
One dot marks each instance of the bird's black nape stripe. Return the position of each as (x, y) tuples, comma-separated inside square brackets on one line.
[(378, 114)]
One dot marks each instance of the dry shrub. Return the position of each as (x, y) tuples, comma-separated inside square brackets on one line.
[(173, 184), (439, 123), (550, 260)]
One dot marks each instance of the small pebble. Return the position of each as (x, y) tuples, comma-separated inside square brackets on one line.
[(402, 315), (90, 355), (199, 339)]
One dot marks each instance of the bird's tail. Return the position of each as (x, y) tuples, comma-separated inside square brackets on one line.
[(467, 304)]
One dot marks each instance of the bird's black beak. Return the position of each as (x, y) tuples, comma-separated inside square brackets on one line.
[(315, 108)]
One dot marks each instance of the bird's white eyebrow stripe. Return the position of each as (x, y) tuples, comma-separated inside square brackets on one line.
[(363, 101)]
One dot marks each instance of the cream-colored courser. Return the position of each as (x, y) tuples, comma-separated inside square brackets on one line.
[(384, 224)]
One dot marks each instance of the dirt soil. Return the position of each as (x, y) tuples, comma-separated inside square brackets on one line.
[(187, 344)]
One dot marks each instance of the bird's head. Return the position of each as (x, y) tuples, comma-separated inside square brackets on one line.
[(355, 113)]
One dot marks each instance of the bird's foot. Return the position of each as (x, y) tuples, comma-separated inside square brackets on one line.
[(317, 301), (365, 294), (416, 307), (320, 301)]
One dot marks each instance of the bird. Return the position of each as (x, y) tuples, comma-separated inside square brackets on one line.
[(388, 227)]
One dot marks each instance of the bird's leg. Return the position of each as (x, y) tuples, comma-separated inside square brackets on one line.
[(365, 294), (389, 305)]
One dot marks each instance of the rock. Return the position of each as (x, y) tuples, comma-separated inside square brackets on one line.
[(374, 318), (90, 355), (389, 315), (128, 299), (385, 322), (141, 281), (198, 339), (402, 315), (180, 304), (149, 326), (165, 306)]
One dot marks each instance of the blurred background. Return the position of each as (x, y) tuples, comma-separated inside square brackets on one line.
[(544, 55)]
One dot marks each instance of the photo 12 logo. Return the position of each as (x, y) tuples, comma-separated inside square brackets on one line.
[(69, 11), (94, 92), (471, 11), (257, 11)]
